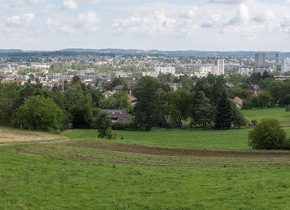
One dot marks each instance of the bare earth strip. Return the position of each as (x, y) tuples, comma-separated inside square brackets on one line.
[(7, 135), (141, 149)]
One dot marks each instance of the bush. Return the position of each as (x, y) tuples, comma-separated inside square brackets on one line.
[(267, 134)]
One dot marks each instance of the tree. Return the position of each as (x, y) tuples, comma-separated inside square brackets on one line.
[(79, 106), (9, 102), (223, 112), (203, 111), (267, 134), (238, 118), (39, 113), (119, 100), (262, 100), (102, 123), (148, 107), (179, 105)]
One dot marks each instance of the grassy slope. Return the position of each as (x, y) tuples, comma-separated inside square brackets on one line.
[(58, 176), (47, 182)]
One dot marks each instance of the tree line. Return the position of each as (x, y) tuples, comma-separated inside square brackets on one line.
[(201, 102)]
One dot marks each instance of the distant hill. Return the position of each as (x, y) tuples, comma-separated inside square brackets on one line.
[(185, 53), (193, 53), (9, 51)]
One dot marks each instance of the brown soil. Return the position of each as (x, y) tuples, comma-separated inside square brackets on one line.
[(121, 147)]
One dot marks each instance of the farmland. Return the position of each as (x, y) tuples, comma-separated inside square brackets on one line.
[(161, 169)]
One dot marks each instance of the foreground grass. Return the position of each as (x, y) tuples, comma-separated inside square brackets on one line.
[(66, 181)]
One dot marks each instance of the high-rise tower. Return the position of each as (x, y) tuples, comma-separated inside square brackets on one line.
[(260, 59)]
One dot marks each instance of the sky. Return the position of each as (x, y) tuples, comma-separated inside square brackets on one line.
[(211, 25)]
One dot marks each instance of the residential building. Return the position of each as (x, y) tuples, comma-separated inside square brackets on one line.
[(286, 65), (165, 70), (220, 66), (260, 59), (280, 57)]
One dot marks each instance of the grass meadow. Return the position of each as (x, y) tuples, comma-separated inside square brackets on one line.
[(80, 171)]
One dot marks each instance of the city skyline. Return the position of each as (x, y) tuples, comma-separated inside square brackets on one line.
[(223, 25)]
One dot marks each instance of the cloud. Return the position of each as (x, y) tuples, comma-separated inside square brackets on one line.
[(56, 26), (288, 2), (19, 20), (88, 21), (153, 25), (230, 30), (285, 25), (191, 13), (187, 28), (241, 17), (67, 29), (69, 4), (267, 15), (215, 21), (227, 1)]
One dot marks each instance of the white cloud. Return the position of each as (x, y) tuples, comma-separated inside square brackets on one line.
[(267, 15), (69, 4), (37, 1), (227, 1), (67, 29), (230, 30), (52, 24), (191, 13), (89, 21), (152, 25), (56, 26), (241, 17), (285, 25), (288, 2), (187, 28), (215, 21), (19, 20)]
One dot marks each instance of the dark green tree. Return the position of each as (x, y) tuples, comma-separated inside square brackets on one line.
[(39, 113), (148, 108), (238, 119), (9, 102), (203, 111), (179, 105), (262, 100), (78, 106), (223, 112)]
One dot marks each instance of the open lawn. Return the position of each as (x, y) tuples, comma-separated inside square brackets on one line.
[(162, 169), (275, 113)]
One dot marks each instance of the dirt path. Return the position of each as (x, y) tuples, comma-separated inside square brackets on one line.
[(177, 151)]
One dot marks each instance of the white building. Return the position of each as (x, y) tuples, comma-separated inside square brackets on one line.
[(245, 71), (280, 57), (286, 65), (165, 70), (220, 66)]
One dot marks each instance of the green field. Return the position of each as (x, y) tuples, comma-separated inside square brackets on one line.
[(276, 113), (146, 170)]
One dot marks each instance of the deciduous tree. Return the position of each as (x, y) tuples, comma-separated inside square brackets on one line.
[(39, 113)]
